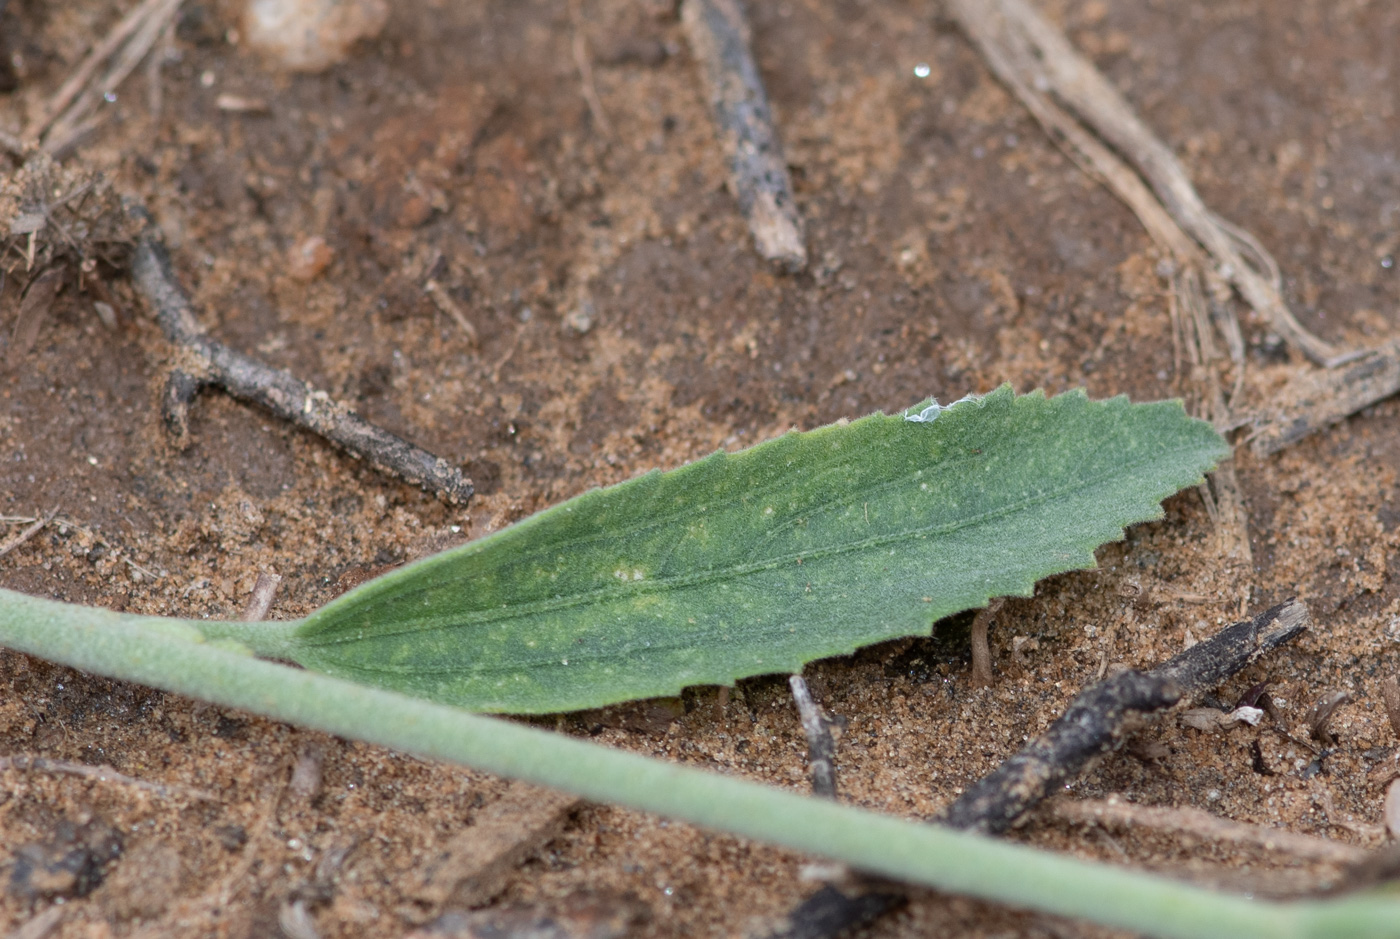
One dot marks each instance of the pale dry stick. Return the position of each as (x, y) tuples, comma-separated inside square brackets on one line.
[(718, 34), (28, 533), (78, 120), (579, 47), (78, 81), (155, 93), (1221, 491), (1047, 62), (821, 748), (439, 295), (1006, 54), (106, 774), (260, 600), (1126, 816), (128, 42)]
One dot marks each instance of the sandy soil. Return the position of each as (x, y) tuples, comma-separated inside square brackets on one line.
[(953, 248)]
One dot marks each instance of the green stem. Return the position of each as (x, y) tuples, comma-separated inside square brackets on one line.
[(166, 654), (271, 639)]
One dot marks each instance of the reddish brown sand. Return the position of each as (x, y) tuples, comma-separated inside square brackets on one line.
[(953, 248)]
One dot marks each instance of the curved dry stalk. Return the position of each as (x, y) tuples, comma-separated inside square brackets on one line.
[(1034, 59), (1126, 816)]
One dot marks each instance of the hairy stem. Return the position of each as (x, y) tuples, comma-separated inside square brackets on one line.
[(168, 654)]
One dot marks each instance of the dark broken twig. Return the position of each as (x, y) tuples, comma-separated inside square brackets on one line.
[(832, 911), (719, 38), (1315, 399), (1097, 720), (204, 362), (1095, 723)]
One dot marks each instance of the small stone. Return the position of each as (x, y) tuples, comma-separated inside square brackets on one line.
[(309, 258), (310, 35)]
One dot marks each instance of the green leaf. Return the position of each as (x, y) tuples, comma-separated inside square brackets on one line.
[(740, 564)]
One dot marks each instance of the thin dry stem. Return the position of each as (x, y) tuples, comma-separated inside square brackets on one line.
[(584, 64), (41, 924), (28, 533), (718, 34), (107, 774), (68, 115), (1126, 816), (1033, 57)]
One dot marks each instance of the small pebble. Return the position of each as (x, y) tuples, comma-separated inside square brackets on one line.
[(310, 35), (309, 258)]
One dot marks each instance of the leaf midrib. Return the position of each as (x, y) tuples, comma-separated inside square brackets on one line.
[(667, 584)]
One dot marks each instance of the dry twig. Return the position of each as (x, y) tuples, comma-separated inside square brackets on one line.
[(28, 533), (821, 748), (1099, 718), (39, 764), (13, 145), (41, 924), (1035, 60), (1315, 399), (584, 64), (719, 38), (206, 362), (68, 114), (260, 600), (1126, 816), (1095, 722)]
